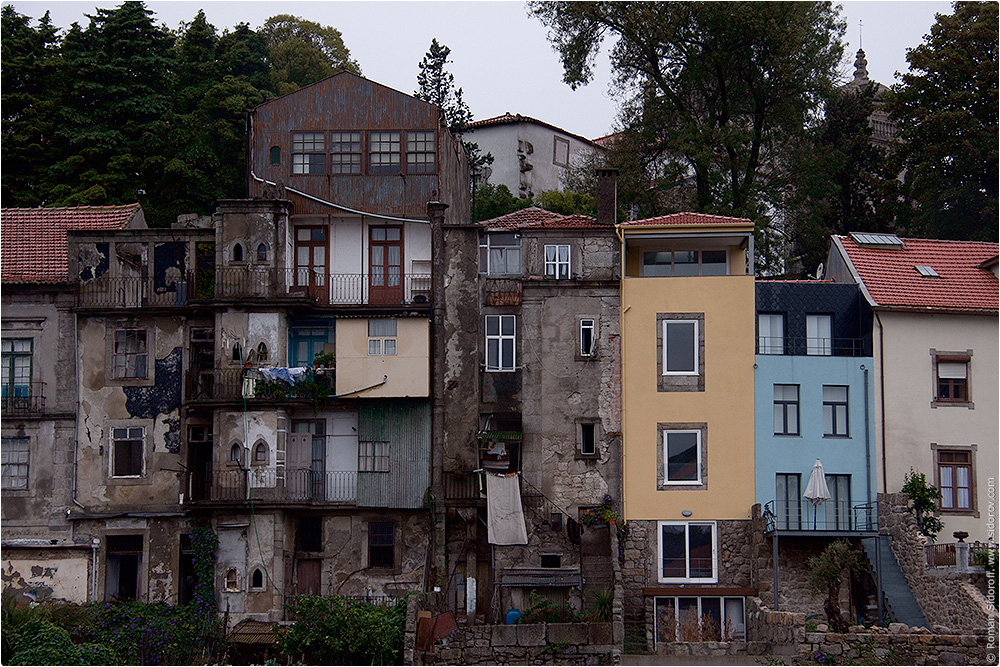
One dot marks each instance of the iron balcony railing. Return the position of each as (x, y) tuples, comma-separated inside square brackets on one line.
[(253, 282), (235, 383), (831, 516), (271, 484), (813, 347), (23, 398)]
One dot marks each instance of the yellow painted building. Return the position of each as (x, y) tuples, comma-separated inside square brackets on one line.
[(687, 325), (383, 357)]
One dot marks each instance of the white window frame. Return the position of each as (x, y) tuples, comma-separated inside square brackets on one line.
[(588, 324), (665, 433), (687, 550), (722, 602), (837, 429), (819, 334), (129, 437), (373, 456), (498, 366), (558, 266), (486, 247), (770, 339), (666, 346), (382, 345)]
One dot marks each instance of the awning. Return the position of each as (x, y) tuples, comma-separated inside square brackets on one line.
[(496, 436), (544, 576)]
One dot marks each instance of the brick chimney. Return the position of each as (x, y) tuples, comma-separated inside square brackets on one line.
[(607, 197)]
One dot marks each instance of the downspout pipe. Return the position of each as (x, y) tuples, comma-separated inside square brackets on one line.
[(76, 426)]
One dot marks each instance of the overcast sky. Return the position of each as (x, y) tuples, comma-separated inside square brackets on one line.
[(501, 57)]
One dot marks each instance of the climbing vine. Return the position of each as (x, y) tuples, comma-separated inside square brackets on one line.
[(205, 545)]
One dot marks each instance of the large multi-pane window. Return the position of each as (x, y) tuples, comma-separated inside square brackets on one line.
[(16, 368), (420, 148), (788, 501), (500, 254), (687, 552), (770, 333), (345, 152), (838, 507), (383, 152), (130, 356), (699, 619), (685, 263), (308, 153), (557, 261), (373, 456), (501, 338), (834, 410), (14, 455)]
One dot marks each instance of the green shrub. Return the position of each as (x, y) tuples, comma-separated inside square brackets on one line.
[(41, 642), (543, 610), (335, 631)]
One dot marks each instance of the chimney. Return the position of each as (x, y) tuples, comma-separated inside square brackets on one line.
[(607, 197)]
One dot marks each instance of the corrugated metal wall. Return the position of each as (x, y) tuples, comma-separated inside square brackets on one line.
[(406, 425)]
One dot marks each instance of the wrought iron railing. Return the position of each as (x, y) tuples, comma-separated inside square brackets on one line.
[(813, 347), (23, 398), (133, 292), (462, 487), (837, 516), (271, 484), (215, 384)]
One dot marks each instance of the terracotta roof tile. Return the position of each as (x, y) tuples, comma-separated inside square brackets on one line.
[(892, 280), (508, 119), (538, 218), (687, 219), (33, 245)]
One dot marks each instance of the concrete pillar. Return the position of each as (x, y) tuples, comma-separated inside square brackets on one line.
[(962, 556)]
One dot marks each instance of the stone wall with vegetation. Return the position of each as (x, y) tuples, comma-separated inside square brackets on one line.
[(949, 600), (784, 635)]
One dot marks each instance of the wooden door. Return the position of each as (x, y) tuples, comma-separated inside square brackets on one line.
[(386, 264), (297, 466), (308, 576), (311, 262)]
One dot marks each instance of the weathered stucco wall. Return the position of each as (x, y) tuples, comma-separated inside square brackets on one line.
[(48, 574)]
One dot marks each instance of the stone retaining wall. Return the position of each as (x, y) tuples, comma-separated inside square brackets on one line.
[(784, 634), (949, 600)]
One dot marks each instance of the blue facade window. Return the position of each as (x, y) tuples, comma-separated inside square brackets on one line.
[(835, 410), (786, 409), (306, 339)]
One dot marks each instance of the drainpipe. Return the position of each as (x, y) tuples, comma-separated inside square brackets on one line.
[(622, 308), (76, 390), (95, 544), (881, 378)]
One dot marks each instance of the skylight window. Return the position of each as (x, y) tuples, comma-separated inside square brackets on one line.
[(877, 240), (926, 271)]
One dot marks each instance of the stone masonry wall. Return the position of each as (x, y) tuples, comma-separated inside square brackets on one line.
[(949, 600), (794, 592), (784, 634)]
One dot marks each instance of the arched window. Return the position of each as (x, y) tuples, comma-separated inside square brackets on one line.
[(260, 453), (232, 580), (257, 579), (237, 352), (262, 252), (236, 452), (238, 252), (275, 154), (262, 352)]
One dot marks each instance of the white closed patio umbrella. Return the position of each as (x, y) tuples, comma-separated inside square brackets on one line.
[(817, 492)]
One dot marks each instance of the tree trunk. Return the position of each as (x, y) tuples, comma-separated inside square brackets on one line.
[(832, 608)]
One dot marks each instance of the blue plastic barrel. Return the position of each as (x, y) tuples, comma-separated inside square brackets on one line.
[(512, 616)]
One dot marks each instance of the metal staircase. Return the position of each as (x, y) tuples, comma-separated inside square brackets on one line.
[(900, 604)]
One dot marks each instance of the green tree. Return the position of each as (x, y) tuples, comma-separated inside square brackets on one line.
[(30, 81), (492, 201), (303, 52), (923, 503), (826, 575), (946, 111), (567, 202), (715, 91)]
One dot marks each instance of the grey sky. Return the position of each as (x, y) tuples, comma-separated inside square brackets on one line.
[(501, 57)]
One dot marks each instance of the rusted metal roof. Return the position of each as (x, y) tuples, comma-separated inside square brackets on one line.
[(254, 632)]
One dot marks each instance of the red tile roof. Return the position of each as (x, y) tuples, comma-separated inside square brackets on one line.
[(33, 246), (893, 282), (509, 119), (538, 218), (688, 219)]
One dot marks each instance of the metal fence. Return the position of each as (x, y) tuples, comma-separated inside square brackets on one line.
[(271, 484), (816, 347), (23, 398), (839, 516)]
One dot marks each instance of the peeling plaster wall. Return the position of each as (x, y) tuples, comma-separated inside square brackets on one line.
[(47, 575), (153, 404)]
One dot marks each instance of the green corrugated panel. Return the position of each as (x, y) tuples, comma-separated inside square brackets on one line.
[(406, 425)]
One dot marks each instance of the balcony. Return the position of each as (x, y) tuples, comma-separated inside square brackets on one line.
[(25, 398), (235, 383), (832, 518), (274, 485), (813, 347)]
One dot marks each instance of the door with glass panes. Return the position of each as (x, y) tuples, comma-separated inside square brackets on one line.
[(386, 264), (311, 262)]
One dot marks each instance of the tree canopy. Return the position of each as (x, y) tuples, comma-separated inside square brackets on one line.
[(946, 110), (713, 92), (124, 110), (437, 85)]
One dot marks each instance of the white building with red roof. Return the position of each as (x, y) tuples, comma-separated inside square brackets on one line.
[(935, 341), (529, 155)]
